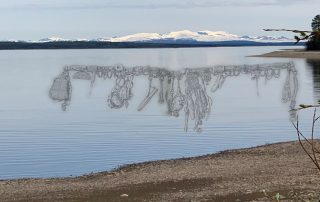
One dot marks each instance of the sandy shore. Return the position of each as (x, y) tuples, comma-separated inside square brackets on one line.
[(235, 175), (293, 53)]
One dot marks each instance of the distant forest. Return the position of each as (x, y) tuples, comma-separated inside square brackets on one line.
[(108, 45)]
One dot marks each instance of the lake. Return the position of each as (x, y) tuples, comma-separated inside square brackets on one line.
[(39, 139)]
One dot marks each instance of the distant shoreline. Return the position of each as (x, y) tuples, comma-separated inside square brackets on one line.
[(232, 175), (121, 45), (292, 53)]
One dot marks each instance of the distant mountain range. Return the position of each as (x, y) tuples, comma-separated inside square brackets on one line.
[(184, 35), (184, 38)]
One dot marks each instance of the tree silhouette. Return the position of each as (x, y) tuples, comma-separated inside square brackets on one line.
[(314, 41), (313, 36), (316, 23)]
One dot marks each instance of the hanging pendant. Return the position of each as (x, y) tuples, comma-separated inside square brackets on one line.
[(161, 98), (61, 89), (151, 92), (82, 75)]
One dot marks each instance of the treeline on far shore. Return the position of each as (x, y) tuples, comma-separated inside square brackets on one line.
[(9, 45)]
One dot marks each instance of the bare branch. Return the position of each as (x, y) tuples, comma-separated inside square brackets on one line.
[(314, 151), (305, 139), (312, 138), (287, 30)]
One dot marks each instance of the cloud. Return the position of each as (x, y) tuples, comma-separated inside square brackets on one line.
[(143, 4), (206, 3)]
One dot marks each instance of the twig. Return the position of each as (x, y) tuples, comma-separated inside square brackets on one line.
[(302, 106), (300, 134), (287, 30), (312, 135), (314, 150)]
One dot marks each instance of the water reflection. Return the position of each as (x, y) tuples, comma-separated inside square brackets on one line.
[(315, 68), (181, 91)]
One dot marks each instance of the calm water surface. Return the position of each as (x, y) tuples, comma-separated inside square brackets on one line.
[(38, 139)]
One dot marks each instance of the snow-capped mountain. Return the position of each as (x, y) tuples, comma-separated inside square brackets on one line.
[(203, 36), (171, 37), (56, 39), (52, 39), (267, 39), (200, 36)]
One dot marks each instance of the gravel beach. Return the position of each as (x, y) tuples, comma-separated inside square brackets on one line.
[(292, 53), (253, 174)]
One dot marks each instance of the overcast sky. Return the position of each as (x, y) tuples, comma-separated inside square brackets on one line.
[(36, 19)]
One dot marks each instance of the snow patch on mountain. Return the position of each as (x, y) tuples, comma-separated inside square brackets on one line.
[(58, 39), (200, 36), (267, 39), (203, 36), (136, 37), (53, 39)]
